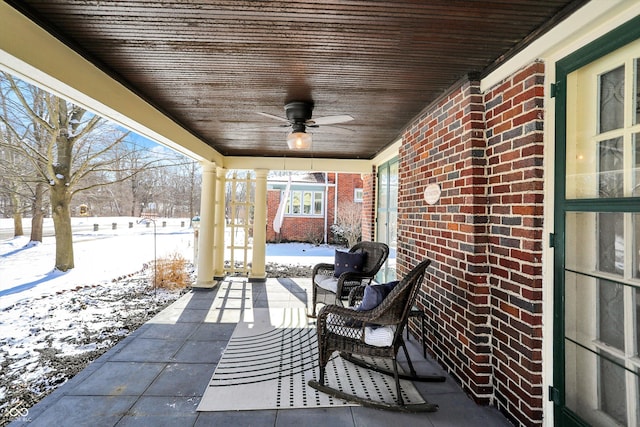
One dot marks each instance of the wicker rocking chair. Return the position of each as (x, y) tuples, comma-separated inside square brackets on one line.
[(328, 289), (344, 329)]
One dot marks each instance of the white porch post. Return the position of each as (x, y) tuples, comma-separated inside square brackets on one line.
[(259, 228), (207, 222), (221, 224)]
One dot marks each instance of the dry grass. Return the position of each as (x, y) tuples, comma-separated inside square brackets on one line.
[(171, 272)]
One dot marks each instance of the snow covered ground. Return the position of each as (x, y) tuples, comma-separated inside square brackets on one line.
[(53, 323), (103, 255)]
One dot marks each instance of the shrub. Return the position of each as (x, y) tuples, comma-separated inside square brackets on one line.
[(171, 272), (348, 226), (314, 235)]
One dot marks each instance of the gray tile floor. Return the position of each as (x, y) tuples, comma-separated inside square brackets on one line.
[(157, 375)]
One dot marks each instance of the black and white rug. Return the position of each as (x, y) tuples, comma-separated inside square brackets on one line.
[(271, 357)]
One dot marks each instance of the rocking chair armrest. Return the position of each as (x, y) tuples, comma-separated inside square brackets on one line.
[(321, 268), (339, 311), (352, 279), (356, 295), (370, 316)]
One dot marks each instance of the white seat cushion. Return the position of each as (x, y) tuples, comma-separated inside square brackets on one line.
[(379, 337), (329, 283)]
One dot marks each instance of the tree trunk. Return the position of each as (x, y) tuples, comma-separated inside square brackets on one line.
[(37, 213), (17, 224), (60, 202), (17, 216)]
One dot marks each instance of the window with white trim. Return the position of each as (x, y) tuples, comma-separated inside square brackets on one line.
[(305, 203), (358, 195)]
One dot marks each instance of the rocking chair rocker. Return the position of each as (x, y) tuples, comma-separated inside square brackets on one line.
[(345, 330)]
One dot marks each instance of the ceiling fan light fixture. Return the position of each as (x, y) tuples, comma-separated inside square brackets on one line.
[(300, 141)]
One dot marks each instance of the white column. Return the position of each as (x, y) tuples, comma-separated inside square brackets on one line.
[(259, 228), (207, 223), (221, 223)]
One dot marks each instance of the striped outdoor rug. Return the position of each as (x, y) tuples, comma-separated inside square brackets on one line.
[(269, 361)]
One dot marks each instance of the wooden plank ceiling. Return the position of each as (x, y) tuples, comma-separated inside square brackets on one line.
[(212, 65)]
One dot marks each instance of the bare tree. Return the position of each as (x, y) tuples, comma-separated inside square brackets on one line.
[(20, 179), (70, 151), (195, 182), (176, 184), (348, 224)]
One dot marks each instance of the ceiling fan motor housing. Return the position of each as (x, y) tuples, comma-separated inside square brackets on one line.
[(298, 111)]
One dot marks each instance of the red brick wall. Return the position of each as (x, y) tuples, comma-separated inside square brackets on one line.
[(347, 183), (369, 183), (331, 203), (515, 117), (483, 294), (273, 200), (446, 147)]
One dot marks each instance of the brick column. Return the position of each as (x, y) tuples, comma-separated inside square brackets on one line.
[(515, 117), (369, 184)]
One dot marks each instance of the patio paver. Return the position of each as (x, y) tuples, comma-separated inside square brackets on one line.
[(157, 375)]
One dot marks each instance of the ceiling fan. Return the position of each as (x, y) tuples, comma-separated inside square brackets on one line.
[(299, 119)]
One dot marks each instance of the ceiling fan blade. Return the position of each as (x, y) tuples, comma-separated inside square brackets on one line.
[(271, 116), (331, 120), (334, 129), (276, 128)]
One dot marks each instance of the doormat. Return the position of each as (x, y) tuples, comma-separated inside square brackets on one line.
[(269, 360)]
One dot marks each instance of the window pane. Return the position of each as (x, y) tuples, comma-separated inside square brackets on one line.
[(384, 188), (610, 178), (317, 204), (611, 242), (580, 317), (596, 169), (296, 202), (636, 165), (382, 226), (636, 217), (600, 392), (636, 245), (611, 313), (307, 203), (613, 390), (637, 93), (393, 185), (612, 100), (604, 232), (637, 292), (637, 381)]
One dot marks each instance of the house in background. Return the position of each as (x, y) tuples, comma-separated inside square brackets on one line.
[(311, 206)]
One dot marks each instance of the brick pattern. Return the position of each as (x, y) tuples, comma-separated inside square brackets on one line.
[(446, 146), (483, 295), (347, 183), (515, 117), (369, 185)]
